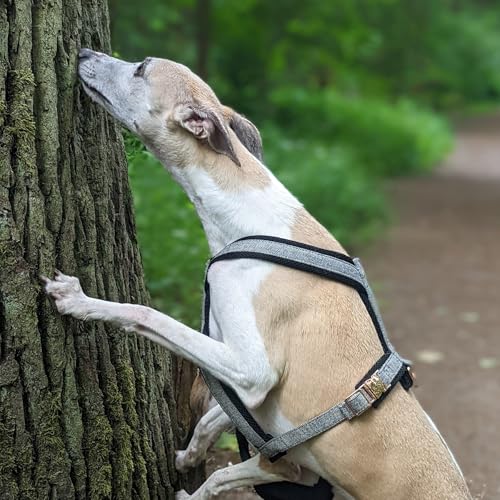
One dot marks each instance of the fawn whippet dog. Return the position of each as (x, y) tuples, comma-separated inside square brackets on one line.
[(290, 344)]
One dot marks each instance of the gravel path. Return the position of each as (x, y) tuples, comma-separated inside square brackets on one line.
[(436, 274)]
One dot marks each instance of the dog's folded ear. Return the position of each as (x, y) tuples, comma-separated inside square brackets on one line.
[(247, 132), (206, 125)]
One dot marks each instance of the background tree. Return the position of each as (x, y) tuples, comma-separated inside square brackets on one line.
[(86, 411)]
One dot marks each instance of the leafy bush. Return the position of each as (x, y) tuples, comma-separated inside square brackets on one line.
[(331, 183), (443, 53), (388, 139), (464, 69)]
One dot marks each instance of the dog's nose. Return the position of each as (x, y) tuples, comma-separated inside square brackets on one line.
[(86, 54)]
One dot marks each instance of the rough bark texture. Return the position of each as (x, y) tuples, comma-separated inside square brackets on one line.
[(86, 411)]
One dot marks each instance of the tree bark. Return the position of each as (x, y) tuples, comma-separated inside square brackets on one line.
[(86, 411)]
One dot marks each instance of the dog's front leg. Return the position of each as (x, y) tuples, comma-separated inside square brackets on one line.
[(206, 432), (256, 470), (224, 363)]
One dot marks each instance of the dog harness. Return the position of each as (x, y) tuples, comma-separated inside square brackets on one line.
[(389, 370)]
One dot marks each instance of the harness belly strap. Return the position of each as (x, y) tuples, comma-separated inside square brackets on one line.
[(373, 388), (353, 406)]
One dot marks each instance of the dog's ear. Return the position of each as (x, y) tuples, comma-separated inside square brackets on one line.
[(206, 125), (246, 132)]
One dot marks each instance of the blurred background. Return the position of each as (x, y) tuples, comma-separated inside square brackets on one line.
[(380, 115)]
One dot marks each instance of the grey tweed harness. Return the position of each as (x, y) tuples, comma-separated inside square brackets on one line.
[(389, 370)]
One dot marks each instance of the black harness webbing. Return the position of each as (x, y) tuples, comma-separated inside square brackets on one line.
[(372, 389)]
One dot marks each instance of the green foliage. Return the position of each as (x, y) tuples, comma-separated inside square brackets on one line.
[(331, 183), (444, 53), (387, 139), (160, 28), (227, 441), (467, 70)]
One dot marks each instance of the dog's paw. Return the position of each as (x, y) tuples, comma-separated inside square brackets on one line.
[(182, 495), (182, 461), (67, 294)]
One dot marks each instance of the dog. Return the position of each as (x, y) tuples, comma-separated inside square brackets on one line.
[(289, 343)]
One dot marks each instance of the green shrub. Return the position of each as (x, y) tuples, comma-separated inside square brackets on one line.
[(388, 139), (464, 69), (330, 182)]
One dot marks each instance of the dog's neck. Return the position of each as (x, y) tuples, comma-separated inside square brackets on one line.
[(231, 210)]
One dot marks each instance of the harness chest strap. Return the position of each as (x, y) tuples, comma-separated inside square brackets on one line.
[(374, 387)]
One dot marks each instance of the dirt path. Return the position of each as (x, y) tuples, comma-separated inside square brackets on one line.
[(437, 278)]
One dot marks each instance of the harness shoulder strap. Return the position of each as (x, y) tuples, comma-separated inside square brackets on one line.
[(327, 263)]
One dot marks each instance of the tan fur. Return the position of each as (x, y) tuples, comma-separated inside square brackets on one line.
[(199, 397), (308, 230), (230, 177), (289, 471), (319, 336)]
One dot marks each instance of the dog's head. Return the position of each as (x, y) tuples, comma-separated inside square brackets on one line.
[(171, 109)]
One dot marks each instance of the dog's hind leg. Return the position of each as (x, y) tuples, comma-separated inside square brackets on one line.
[(250, 376), (256, 470), (206, 432)]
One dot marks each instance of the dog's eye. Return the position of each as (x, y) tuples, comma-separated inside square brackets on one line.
[(140, 69)]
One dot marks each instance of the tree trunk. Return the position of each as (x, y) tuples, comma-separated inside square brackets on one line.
[(86, 411)]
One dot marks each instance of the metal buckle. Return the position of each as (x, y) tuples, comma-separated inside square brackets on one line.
[(375, 386), (371, 389)]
